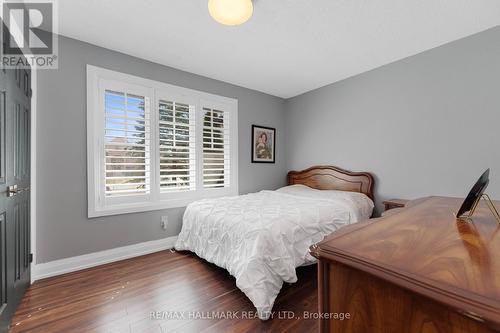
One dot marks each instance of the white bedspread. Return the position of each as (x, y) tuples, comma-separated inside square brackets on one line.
[(260, 238)]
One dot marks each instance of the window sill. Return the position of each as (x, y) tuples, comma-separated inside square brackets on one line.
[(142, 207)]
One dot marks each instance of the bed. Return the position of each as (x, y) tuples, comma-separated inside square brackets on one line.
[(261, 238)]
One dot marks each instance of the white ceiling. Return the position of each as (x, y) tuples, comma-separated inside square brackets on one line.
[(288, 47)]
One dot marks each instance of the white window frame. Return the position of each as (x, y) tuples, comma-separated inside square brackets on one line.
[(97, 204)]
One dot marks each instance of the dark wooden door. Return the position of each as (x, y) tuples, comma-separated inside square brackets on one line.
[(15, 258)]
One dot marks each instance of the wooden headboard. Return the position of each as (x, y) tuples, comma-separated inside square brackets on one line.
[(326, 177)]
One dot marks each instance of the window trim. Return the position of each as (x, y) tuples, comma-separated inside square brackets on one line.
[(157, 90)]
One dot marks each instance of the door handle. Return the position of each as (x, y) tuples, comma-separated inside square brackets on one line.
[(20, 190), (13, 190)]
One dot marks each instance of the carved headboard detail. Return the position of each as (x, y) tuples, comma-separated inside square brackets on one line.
[(326, 177)]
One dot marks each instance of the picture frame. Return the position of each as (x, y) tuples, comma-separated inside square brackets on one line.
[(475, 194), (263, 144)]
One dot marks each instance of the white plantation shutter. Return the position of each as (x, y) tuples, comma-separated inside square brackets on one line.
[(177, 146), (127, 144), (151, 145), (216, 148)]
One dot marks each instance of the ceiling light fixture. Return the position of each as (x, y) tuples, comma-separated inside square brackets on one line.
[(230, 12)]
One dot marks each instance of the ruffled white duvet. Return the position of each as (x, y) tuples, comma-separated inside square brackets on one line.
[(260, 238)]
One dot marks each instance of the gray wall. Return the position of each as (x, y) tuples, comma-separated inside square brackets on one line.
[(63, 229), (425, 125)]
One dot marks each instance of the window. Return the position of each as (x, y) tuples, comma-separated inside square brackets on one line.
[(177, 146), (127, 144), (151, 145), (216, 158)]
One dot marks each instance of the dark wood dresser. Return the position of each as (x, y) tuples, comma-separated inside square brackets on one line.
[(419, 270)]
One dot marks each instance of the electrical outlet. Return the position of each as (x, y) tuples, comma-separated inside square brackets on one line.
[(164, 222)]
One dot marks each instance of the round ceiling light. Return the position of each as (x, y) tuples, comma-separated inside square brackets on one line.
[(230, 12)]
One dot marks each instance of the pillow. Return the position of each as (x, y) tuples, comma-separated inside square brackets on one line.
[(359, 200), (297, 190)]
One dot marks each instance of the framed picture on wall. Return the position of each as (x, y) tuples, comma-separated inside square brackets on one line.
[(263, 144)]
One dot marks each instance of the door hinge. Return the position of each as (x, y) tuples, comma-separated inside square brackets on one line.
[(31, 257)]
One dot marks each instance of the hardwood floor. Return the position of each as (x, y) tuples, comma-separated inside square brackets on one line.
[(121, 297)]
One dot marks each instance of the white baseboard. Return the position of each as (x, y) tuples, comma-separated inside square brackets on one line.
[(66, 265)]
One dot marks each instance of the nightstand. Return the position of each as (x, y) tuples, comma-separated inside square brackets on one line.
[(394, 203)]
